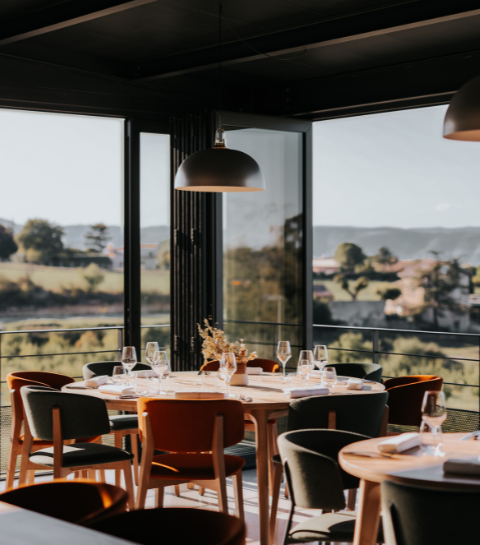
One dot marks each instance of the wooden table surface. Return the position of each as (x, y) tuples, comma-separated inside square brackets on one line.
[(22, 527), (411, 467), (268, 401)]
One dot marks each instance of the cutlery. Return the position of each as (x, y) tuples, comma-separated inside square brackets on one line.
[(474, 434)]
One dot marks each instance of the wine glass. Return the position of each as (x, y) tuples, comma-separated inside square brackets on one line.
[(330, 376), (150, 350), (305, 368), (160, 365), (284, 353), (118, 374), (434, 414), (129, 359), (320, 355), (228, 369)]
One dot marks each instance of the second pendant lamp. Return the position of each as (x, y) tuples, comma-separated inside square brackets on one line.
[(219, 169)]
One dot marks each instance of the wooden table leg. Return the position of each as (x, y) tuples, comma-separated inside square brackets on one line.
[(261, 440), (368, 517)]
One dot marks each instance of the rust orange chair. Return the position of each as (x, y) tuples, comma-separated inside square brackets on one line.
[(194, 433), (268, 366), (15, 381), (405, 396), (78, 502)]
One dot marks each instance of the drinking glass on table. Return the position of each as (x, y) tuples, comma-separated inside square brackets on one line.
[(161, 365), (320, 356), (129, 360), (330, 376), (140, 388), (284, 353), (305, 368), (150, 350), (118, 374), (228, 369), (434, 414)]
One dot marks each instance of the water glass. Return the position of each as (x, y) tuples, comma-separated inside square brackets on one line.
[(161, 365), (228, 369), (320, 355), (284, 353), (434, 414), (129, 359), (140, 388), (330, 376), (118, 374), (305, 368), (150, 350)]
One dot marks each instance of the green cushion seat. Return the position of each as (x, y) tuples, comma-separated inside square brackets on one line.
[(120, 422), (82, 454)]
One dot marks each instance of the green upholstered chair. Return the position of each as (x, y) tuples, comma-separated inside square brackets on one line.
[(367, 371), (182, 526), (121, 425), (429, 516), (316, 481), (366, 414), (59, 416)]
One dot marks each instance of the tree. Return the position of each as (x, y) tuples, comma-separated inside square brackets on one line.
[(385, 257), (96, 237), (348, 256), (389, 293), (354, 290), (41, 240), (93, 276), (8, 246), (163, 255)]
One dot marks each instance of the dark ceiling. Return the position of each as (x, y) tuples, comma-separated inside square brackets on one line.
[(272, 49)]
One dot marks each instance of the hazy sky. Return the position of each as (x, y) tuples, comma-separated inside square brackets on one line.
[(394, 169)]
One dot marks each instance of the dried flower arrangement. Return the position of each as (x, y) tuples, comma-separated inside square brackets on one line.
[(215, 344)]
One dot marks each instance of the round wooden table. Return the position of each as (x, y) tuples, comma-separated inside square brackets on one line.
[(412, 468), (268, 401)]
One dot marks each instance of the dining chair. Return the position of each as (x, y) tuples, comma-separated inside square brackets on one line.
[(365, 414), (58, 416), (122, 425), (15, 382), (415, 515), (268, 366), (78, 502), (405, 396), (194, 434), (316, 481), (182, 526), (366, 371)]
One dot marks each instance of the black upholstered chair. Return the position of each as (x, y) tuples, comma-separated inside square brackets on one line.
[(121, 425), (429, 516), (316, 481), (59, 416), (367, 371), (366, 414), (182, 526)]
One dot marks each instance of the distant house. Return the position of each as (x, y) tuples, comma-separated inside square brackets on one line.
[(148, 256), (321, 292), (325, 265)]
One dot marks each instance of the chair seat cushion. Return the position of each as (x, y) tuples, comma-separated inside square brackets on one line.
[(82, 454), (42, 443), (191, 466), (120, 422), (333, 527)]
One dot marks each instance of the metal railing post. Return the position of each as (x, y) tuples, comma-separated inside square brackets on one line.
[(120, 342), (375, 346)]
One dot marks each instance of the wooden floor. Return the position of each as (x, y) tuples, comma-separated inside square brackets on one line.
[(191, 498)]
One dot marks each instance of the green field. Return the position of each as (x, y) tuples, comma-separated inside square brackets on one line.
[(59, 278), (368, 294)]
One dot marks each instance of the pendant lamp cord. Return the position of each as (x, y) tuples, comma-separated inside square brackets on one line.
[(220, 15)]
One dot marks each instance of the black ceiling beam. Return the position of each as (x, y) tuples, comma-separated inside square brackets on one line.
[(60, 15), (340, 29)]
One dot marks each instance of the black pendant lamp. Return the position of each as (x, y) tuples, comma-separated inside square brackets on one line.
[(462, 120), (219, 169)]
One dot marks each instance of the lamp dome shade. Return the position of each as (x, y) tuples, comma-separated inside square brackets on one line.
[(219, 170), (462, 120)]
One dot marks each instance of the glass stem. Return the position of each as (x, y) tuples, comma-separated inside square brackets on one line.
[(228, 386), (284, 365), (160, 384)]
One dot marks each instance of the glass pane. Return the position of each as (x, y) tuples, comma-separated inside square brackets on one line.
[(61, 239), (155, 237), (262, 237)]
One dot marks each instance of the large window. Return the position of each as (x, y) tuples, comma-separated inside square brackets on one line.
[(61, 240), (262, 235)]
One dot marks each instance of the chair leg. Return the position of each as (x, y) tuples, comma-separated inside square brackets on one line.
[(159, 496), (177, 490), (238, 492), (118, 444), (134, 442), (31, 476), (190, 486), (222, 495), (201, 490), (352, 499), (271, 436), (127, 473), (102, 478), (276, 496), (11, 466)]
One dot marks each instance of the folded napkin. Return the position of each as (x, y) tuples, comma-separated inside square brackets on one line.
[(95, 382), (355, 384), (306, 392), (254, 370), (468, 466), (399, 443), (117, 389), (145, 374), (196, 394)]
